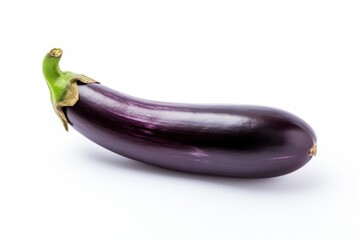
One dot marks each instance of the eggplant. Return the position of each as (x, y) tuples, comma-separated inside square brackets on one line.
[(222, 140)]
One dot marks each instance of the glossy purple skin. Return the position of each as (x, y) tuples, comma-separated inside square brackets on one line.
[(222, 140)]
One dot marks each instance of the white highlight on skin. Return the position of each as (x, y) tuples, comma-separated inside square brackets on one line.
[(285, 157), (200, 154)]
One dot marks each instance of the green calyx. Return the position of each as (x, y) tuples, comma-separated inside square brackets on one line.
[(63, 86)]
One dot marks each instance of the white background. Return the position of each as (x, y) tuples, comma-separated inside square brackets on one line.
[(302, 56)]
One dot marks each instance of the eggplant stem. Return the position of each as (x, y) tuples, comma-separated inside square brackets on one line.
[(62, 85), (56, 52)]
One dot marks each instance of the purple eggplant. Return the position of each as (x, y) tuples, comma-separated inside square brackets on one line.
[(222, 140)]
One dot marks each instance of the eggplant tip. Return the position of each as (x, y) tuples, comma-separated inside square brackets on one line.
[(313, 150), (56, 52)]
